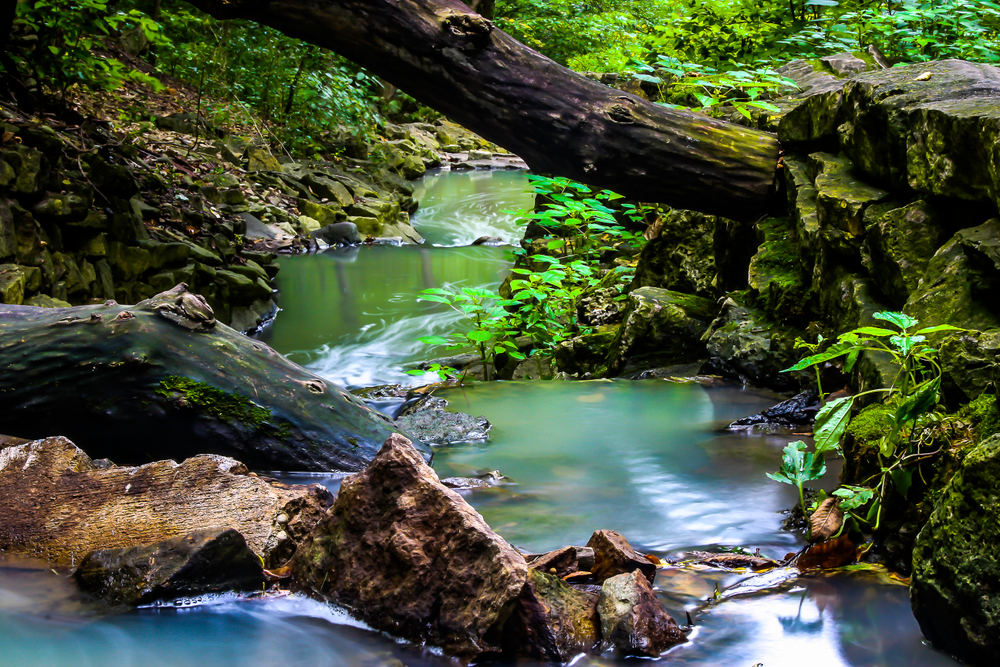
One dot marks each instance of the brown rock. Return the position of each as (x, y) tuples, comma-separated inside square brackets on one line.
[(613, 555), (411, 557), (559, 562), (206, 561), (633, 621), (552, 620), (58, 505)]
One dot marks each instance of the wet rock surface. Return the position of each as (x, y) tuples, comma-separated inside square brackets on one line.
[(214, 560), (60, 505), (633, 622), (551, 620), (613, 555), (429, 422), (660, 326), (797, 412), (955, 585), (411, 557)]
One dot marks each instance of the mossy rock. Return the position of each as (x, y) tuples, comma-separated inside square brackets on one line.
[(899, 243), (660, 327), (744, 343), (955, 585), (841, 195), (962, 280), (12, 283), (682, 257), (776, 273), (970, 361), (802, 208)]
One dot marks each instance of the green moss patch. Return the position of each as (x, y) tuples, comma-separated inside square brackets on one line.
[(871, 424), (227, 407), (984, 416)]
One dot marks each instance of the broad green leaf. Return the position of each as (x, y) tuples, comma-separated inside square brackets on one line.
[(433, 340), (899, 319), (479, 336), (838, 349), (555, 243), (918, 403), (434, 297), (901, 480), (876, 331), (831, 420), (940, 327)]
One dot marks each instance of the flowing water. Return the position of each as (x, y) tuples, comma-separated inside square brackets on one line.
[(646, 458)]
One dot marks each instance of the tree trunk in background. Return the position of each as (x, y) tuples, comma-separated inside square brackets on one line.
[(561, 123)]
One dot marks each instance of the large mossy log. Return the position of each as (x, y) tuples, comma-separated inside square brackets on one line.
[(162, 380), (456, 61)]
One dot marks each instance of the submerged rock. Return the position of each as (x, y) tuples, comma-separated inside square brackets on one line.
[(60, 505), (955, 586), (798, 411), (412, 558), (633, 621), (213, 560), (431, 423)]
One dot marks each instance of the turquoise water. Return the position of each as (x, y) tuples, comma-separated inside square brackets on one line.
[(646, 458)]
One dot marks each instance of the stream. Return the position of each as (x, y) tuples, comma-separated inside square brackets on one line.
[(646, 458)]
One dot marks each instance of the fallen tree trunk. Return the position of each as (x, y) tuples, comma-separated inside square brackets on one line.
[(560, 122), (162, 380)]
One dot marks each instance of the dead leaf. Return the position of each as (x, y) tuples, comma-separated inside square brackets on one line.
[(926, 76), (278, 573), (7, 136), (826, 521), (832, 553), (578, 577)]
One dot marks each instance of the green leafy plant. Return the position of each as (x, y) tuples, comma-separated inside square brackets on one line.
[(61, 41), (799, 466), (491, 332), (914, 393), (444, 373)]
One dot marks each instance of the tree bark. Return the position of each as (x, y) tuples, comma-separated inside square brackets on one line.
[(560, 122), (162, 380)]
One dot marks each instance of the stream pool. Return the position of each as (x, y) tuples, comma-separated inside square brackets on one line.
[(647, 458)]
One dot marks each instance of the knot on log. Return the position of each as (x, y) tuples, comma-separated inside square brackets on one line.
[(620, 113), (182, 307), (473, 26)]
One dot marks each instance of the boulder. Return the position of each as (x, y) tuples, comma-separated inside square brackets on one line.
[(955, 585), (682, 256), (551, 621), (633, 622), (60, 505), (970, 362), (776, 272), (797, 412), (660, 327), (258, 158), (12, 284), (961, 281), (744, 343), (613, 555), (339, 233), (213, 560), (412, 558), (926, 126), (899, 242)]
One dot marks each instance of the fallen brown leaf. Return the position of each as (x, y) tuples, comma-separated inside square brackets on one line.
[(832, 553), (826, 521)]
